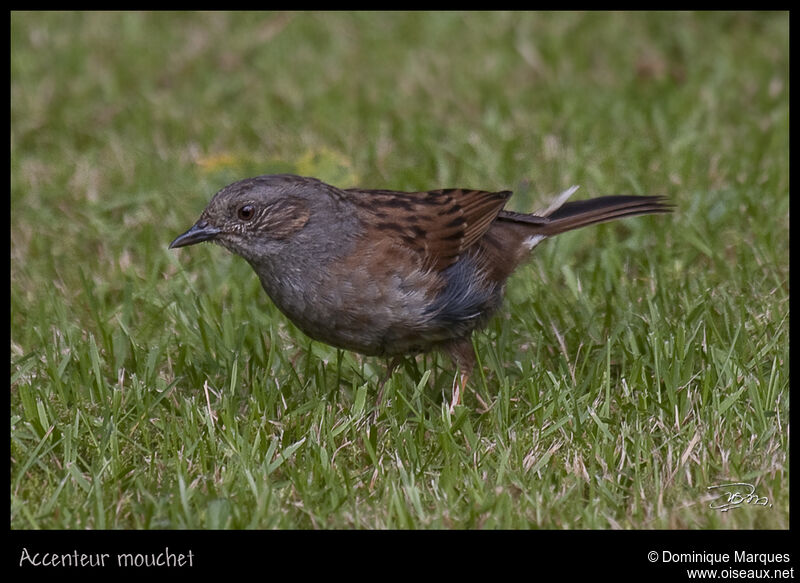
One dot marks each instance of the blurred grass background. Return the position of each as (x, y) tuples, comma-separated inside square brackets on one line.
[(635, 365)]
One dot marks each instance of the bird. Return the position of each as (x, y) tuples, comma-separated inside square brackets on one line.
[(390, 273)]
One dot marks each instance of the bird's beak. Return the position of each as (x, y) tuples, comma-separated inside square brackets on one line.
[(200, 231)]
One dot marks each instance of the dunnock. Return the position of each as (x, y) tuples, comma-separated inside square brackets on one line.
[(389, 273)]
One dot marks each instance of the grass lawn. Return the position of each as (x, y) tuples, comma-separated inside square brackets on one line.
[(634, 365)]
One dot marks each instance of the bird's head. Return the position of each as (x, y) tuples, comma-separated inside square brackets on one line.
[(256, 217)]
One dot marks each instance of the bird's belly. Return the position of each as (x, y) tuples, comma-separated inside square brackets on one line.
[(364, 317), (406, 312)]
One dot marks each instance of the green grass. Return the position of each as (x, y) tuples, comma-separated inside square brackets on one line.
[(634, 364)]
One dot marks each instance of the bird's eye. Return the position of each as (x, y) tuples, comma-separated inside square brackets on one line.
[(246, 212)]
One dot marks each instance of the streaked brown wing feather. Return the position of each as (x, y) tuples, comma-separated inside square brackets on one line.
[(438, 224)]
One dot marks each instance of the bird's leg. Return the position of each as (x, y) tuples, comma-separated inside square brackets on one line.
[(464, 356), (459, 385)]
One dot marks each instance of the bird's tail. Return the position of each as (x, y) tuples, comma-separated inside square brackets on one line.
[(562, 216)]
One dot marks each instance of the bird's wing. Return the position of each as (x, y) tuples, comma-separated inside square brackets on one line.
[(438, 224)]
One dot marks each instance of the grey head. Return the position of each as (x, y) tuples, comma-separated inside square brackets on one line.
[(269, 216)]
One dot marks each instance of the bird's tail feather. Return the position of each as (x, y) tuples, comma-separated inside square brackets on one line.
[(562, 216), (581, 213)]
